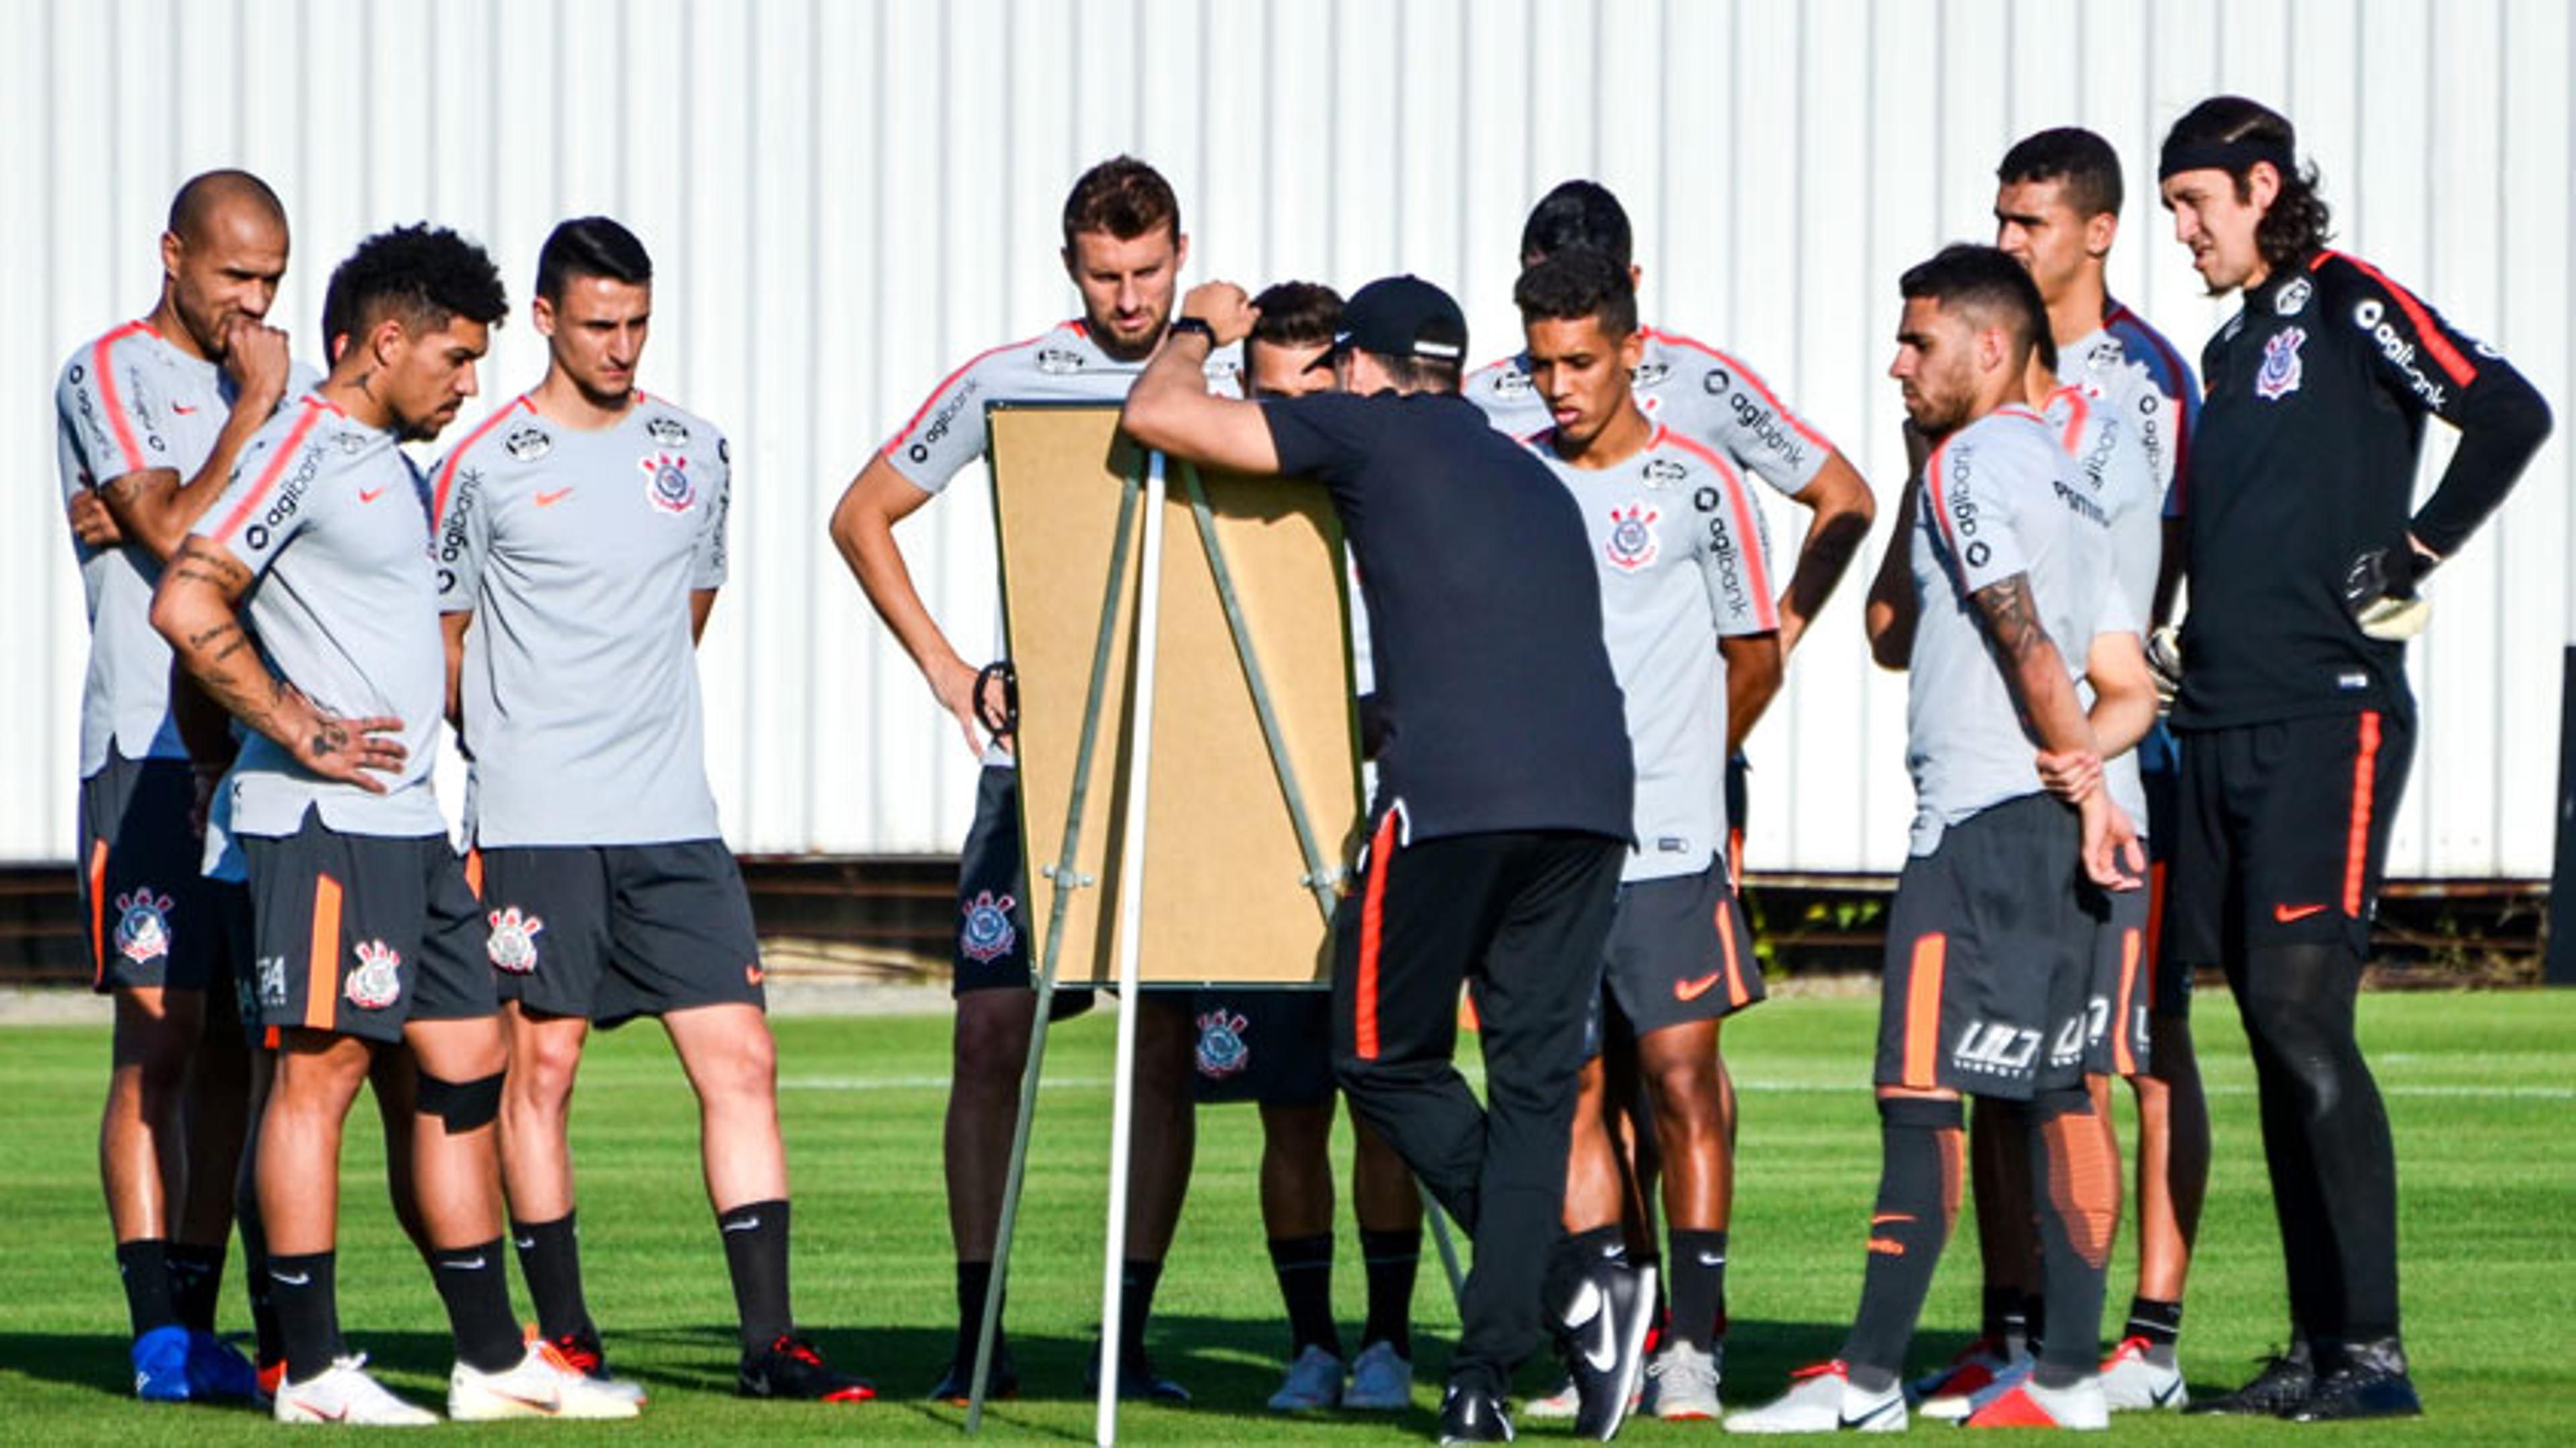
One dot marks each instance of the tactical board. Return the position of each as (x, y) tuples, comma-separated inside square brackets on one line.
[(1226, 895)]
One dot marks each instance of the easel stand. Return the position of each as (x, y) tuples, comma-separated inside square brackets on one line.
[(1148, 482)]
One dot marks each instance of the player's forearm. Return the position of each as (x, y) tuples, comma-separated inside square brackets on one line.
[(866, 541), (2124, 693), (203, 725), (1843, 509), (2170, 568), (207, 639), (2045, 693), (1165, 407), (2503, 422), (1754, 667), (452, 628), (1889, 614)]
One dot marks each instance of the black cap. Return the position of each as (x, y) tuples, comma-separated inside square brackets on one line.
[(1401, 317)]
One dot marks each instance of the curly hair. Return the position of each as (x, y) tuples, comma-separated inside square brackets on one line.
[(2298, 223), (421, 275)]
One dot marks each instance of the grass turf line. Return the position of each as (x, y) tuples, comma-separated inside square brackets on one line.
[(2478, 1086)]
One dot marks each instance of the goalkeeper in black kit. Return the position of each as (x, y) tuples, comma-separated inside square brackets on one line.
[(2305, 569)]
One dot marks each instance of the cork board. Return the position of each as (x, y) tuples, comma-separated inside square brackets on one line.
[(1225, 901)]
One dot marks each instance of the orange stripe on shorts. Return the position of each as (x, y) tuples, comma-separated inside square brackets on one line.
[(2365, 777), (322, 976), (97, 912), (1923, 1012)]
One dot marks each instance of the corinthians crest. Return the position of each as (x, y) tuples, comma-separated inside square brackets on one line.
[(669, 486), (987, 934), (377, 982), (513, 943), (143, 926), (1632, 542), (1222, 1050)]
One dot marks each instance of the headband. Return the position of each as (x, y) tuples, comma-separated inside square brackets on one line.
[(2233, 157)]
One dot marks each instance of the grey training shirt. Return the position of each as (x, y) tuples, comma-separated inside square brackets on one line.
[(576, 551)]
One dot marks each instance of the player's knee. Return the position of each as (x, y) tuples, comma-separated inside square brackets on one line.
[(542, 1067), (460, 1106), (990, 1040)]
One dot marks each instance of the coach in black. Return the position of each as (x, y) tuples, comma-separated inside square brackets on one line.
[(2296, 718), (1503, 788)]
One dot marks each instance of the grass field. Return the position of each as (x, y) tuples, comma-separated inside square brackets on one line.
[(2480, 1086)]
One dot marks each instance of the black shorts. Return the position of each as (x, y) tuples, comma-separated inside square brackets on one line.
[(357, 934), (144, 903), (1679, 951), (1989, 957), (612, 932), (2281, 835), (993, 941), (233, 971), (1270, 1046), (2115, 1016)]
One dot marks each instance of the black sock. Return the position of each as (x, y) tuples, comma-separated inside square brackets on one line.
[(755, 1243), (308, 1311), (144, 1264), (1137, 1280), (196, 1282), (271, 1346), (550, 1259), (1918, 1193), (1393, 1259), (973, 1279), (2160, 1323), (1699, 1286), (474, 1282), (1305, 1269), (2076, 1173), (2003, 1323)]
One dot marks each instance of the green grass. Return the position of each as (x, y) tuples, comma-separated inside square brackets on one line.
[(2479, 1086)]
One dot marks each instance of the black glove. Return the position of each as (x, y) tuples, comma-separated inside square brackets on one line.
[(2379, 591)]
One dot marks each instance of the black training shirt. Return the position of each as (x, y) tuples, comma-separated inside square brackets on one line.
[(1484, 616), (2305, 458)]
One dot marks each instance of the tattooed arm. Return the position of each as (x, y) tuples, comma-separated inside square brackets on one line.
[(2044, 692), (197, 609), (154, 506)]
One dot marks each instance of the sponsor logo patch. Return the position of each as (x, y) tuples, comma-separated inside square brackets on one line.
[(987, 935), (527, 444), (377, 982), (2293, 298), (1222, 1051), (1059, 361), (1988, 1049), (668, 431), (2280, 374), (143, 926), (513, 942), (1511, 382), (272, 980)]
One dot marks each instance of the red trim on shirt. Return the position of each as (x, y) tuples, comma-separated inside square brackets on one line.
[(101, 362), (1751, 379), (1757, 569), (447, 472), (268, 476), (2080, 409), (951, 380), (2427, 331)]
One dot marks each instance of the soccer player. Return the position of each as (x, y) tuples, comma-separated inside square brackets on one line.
[(1495, 834), (1989, 943), (1694, 636), (365, 932), (2126, 400), (150, 417), (581, 544), (1123, 251), (2297, 724), (1275, 1048)]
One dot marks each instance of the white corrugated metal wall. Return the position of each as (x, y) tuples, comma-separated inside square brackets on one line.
[(846, 199)]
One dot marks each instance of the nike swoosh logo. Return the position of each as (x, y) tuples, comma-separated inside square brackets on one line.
[(1602, 1354), (300, 1279), (525, 1243), (1691, 990), (366, 496), (474, 1266), (1883, 1218), (750, 1224), (1712, 1259), (336, 1415), (1873, 1415), (2165, 1395), (2292, 914), (548, 500)]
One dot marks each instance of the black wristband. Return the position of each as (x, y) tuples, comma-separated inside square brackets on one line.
[(1198, 326)]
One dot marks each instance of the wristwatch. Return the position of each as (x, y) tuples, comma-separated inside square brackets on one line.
[(1192, 325)]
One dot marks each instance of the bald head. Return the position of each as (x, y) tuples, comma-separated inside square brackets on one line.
[(214, 195)]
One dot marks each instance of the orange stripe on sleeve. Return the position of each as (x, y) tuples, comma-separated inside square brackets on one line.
[(102, 361), (268, 475), (2365, 778), (2079, 410), (98, 913), (1923, 1012), (447, 472), (1372, 933), (2458, 368), (322, 976), (1748, 528)]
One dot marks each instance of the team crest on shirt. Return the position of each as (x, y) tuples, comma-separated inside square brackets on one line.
[(527, 444), (2280, 375), (1632, 543), (513, 942), (668, 431), (669, 487), (1222, 1050), (377, 981), (143, 926), (987, 935)]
